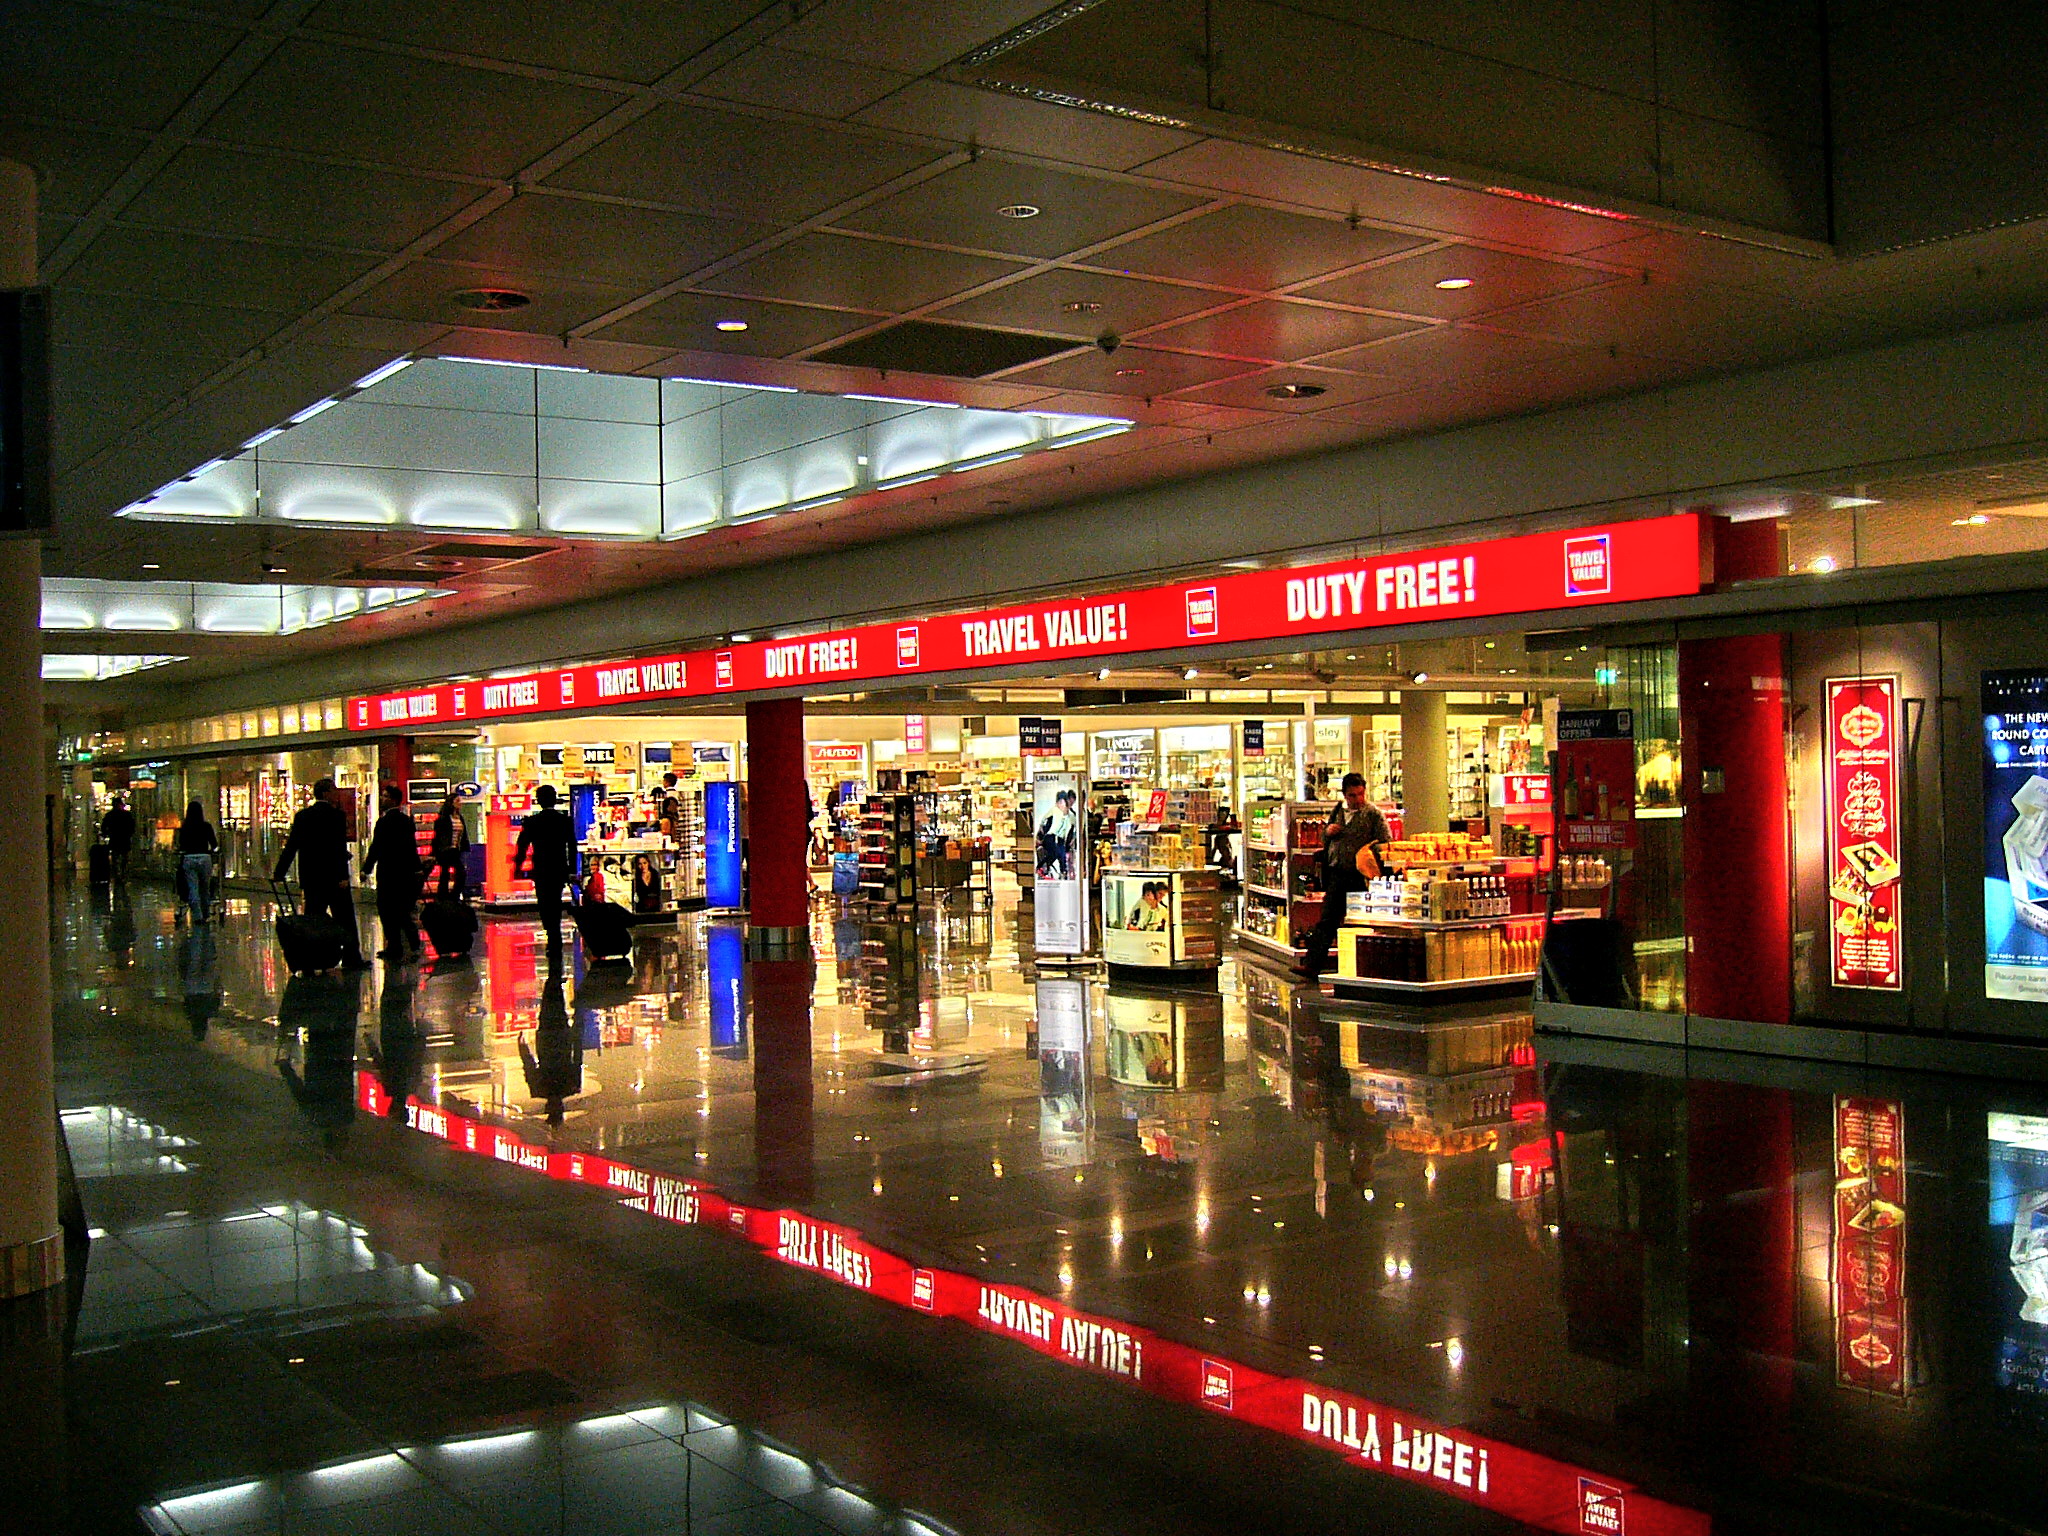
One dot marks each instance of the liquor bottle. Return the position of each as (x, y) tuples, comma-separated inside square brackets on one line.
[(1571, 792), (1600, 798)]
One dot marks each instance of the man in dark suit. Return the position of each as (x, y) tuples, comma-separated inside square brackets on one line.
[(395, 855), (318, 840)]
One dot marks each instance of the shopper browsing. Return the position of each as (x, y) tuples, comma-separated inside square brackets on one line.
[(395, 854), (451, 849), (1356, 826), (318, 841), (117, 831), (546, 854), (197, 845)]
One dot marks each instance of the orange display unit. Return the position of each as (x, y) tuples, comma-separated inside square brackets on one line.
[(504, 815)]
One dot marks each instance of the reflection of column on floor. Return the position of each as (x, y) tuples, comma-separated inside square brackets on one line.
[(778, 905), (1425, 780), (31, 1249), (1731, 702), (783, 1165)]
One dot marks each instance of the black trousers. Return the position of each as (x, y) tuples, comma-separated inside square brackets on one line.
[(548, 893), (1339, 881), (334, 899), (398, 916)]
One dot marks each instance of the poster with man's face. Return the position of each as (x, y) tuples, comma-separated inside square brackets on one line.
[(1059, 826)]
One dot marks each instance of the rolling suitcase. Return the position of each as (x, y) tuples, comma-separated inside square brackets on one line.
[(309, 943), (607, 930), (450, 926)]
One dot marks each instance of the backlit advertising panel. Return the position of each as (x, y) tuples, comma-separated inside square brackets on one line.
[(1862, 771), (2016, 836), (1059, 828), (1595, 768), (1618, 563), (724, 868), (1870, 1245)]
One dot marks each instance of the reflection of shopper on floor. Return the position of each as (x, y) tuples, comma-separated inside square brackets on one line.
[(117, 831), (1356, 825), (319, 841), (395, 855), (546, 854), (197, 844)]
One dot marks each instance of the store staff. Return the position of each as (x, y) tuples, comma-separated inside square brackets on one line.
[(1356, 825)]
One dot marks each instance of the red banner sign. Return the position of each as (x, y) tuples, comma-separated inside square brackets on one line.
[(1863, 832), (1520, 1484), (1870, 1245), (1618, 563)]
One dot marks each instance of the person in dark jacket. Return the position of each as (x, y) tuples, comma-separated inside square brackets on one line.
[(1357, 824), (395, 855), (318, 840), (198, 845), (451, 847), (117, 831), (546, 854)]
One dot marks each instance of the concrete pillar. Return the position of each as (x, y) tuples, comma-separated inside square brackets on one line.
[(778, 880), (1425, 748), (31, 1246)]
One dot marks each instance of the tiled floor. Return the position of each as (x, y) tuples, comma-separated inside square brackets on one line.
[(302, 1316)]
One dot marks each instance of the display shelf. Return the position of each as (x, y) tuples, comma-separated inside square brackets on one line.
[(1269, 945), (1265, 890), (1345, 986)]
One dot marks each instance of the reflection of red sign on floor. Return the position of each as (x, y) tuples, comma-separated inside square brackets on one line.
[(1870, 1245), (1603, 1510), (1863, 831), (1219, 1385)]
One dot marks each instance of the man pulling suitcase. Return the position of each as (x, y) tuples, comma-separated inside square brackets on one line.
[(318, 840)]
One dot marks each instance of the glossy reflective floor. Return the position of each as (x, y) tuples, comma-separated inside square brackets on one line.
[(1786, 1296)]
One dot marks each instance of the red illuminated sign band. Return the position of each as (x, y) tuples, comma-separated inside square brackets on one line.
[(1622, 562), (1520, 1484)]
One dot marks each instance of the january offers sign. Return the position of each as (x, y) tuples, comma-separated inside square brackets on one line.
[(1595, 769), (1870, 1245), (1863, 831)]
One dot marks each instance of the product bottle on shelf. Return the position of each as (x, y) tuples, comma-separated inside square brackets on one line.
[(1570, 808)]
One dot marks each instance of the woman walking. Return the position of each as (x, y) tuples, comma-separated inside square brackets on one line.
[(198, 844)]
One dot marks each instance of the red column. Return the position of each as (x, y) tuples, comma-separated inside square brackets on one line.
[(1731, 705), (394, 762), (784, 1161), (778, 831)]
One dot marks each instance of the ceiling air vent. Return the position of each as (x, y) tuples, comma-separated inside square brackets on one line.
[(461, 549), (959, 351)]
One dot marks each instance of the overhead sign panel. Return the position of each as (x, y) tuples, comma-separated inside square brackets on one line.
[(1622, 562)]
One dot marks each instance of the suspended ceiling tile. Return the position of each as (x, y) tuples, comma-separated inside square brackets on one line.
[(344, 101), (1132, 370), (1245, 246), (1254, 391), (118, 323), (726, 162), (1497, 281), (913, 36), (1081, 304), (425, 290), (998, 120), (1446, 351), (1701, 326), (1383, 197), (111, 68), (960, 208), (543, 232), (241, 273), (1278, 330), (858, 274), (73, 166), (799, 82), (226, 192), (688, 322), (51, 230), (640, 42)]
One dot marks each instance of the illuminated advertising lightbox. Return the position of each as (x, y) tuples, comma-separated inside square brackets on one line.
[(1862, 769), (1594, 798), (1059, 826), (2016, 836), (2018, 1148), (724, 868), (1586, 568)]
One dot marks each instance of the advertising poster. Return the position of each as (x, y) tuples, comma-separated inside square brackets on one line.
[(2016, 836), (1062, 1068), (1137, 919), (1863, 831), (1594, 794), (1059, 824), (724, 873), (2018, 1148), (1038, 736), (1255, 738), (1870, 1245)]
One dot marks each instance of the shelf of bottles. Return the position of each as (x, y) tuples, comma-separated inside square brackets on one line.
[(888, 849), (1283, 882)]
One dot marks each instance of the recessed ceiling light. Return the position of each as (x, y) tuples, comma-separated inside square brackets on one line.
[(1101, 674), (1296, 391), (731, 325), (1418, 677), (1189, 673), (1454, 282), (1130, 373), (151, 565), (1019, 210), (1823, 563), (1974, 520), (1080, 307), (492, 300)]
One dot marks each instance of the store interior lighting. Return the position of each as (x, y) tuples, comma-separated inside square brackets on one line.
[(89, 668), (487, 446), (87, 604)]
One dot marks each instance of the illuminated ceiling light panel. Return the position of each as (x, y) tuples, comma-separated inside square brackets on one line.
[(210, 607), (490, 446), (100, 669)]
